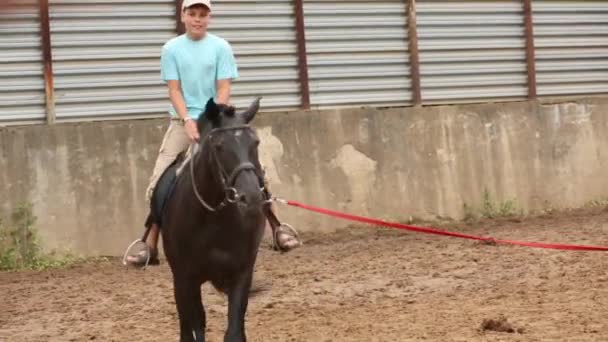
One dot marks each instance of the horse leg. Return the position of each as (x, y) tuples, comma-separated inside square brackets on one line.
[(238, 298), (199, 321), (190, 309)]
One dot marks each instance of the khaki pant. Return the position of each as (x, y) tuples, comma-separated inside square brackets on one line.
[(175, 142)]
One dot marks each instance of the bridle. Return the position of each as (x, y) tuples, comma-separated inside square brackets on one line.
[(231, 195)]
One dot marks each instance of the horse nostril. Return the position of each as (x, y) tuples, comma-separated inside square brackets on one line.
[(243, 198)]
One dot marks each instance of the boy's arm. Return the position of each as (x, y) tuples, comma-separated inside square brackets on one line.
[(223, 90), (177, 99), (169, 73), (226, 71)]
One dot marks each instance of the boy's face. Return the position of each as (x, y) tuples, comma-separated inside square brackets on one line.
[(196, 19)]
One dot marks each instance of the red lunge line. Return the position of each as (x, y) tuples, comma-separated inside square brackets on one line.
[(429, 230)]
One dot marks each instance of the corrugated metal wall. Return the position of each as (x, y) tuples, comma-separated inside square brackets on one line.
[(472, 50), (106, 56), (357, 52), (21, 72), (262, 35), (106, 53), (571, 41)]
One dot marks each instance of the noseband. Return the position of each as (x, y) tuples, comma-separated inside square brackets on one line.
[(231, 195)]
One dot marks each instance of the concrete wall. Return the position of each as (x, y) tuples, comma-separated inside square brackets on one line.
[(86, 181)]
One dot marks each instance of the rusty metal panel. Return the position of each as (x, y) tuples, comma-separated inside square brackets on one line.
[(106, 57), (107, 54), (263, 36), (571, 39), (471, 51), (357, 52), (22, 96)]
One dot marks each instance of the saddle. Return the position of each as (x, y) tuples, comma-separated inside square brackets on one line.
[(164, 190)]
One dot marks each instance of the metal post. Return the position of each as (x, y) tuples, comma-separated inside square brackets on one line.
[(414, 53), (302, 59), (530, 54), (47, 60), (179, 26)]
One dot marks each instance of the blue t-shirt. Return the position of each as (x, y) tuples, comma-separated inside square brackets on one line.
[(197, 64)]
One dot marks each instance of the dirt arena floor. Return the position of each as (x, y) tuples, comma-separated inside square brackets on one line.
[(363, 284)]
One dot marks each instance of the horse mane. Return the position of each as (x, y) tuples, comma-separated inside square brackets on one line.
[(226, 109), (215, 120)]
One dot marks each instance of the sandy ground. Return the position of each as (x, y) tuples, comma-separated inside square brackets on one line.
[(363, 284)]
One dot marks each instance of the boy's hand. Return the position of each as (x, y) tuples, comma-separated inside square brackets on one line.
[(192, 130)]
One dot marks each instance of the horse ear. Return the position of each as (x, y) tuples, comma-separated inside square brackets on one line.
[(252, 110), (212, 112)]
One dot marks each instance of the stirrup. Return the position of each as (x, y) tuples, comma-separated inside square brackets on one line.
[(289, 230), (148, 253)]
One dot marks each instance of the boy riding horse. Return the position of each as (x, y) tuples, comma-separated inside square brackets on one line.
[(196, 66)]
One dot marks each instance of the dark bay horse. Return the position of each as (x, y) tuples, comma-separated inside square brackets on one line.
[(214, 222)]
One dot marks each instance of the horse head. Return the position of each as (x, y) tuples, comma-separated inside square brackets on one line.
[(229, 147)]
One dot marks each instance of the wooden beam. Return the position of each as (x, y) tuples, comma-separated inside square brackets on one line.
[(179, 26), (530, 53), (414, 53), (47, 60), (302, 58)]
